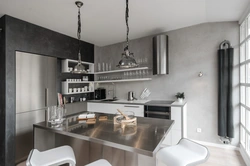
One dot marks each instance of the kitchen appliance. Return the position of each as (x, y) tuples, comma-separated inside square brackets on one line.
[(160, 55), (131, 96), (35, 90), (100, 93), (158, 109)]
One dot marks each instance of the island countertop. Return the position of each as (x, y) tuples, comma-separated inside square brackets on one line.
[(144, 138)]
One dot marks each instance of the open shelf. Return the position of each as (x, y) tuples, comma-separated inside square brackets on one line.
[(122, 70), (77, 93), (124, 80), (65, 66), (65, 87), (77, 82)]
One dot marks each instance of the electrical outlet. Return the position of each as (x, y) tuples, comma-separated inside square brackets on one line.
[(198, 130)]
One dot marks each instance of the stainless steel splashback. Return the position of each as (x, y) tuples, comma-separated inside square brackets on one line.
[(35, 89), (160, 55)]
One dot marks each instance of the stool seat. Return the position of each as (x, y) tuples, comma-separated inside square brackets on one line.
[(101, 162), (55, 156), (185, 153)]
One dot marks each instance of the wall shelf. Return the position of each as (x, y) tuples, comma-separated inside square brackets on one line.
[(124, 80), (65, 87), (77, 93), (66, 62), (122, 70), (78, 82)]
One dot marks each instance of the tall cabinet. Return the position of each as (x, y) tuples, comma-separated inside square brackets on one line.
[(35, 89)]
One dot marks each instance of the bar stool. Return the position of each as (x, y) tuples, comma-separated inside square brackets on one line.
[(55, 156), (58, 156), (185, 153), (100, 162)]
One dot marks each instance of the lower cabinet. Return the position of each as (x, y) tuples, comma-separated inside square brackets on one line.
[(112, 108), (179, 129)]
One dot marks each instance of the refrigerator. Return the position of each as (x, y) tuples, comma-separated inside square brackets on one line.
[(35, 90)]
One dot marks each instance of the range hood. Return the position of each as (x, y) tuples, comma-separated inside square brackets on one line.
[(160, 55)]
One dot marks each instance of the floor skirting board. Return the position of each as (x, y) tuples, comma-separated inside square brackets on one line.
[(224, 146)]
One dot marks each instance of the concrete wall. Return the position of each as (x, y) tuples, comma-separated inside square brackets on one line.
[(191, 50), (18, 35)]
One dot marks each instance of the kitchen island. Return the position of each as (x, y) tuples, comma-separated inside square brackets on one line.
[(129, 146)]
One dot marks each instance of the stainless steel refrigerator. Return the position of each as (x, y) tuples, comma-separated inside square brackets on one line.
[(35, 90)]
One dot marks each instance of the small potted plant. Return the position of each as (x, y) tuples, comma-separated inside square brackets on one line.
[(180, 96)]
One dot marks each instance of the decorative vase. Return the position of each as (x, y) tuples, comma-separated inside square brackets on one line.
[(180, 100)]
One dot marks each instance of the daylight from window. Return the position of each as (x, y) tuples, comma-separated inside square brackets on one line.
[(245, 85)]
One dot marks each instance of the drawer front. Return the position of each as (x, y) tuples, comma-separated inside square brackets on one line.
[(137, 109), (104, 108)]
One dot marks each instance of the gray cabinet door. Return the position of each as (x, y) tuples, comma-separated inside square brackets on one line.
[(35, 84), (31, 80)]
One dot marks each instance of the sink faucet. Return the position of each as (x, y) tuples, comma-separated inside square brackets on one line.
[(113, 90)]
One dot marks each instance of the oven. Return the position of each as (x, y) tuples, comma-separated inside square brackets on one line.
[(158, 109), (157, 112)]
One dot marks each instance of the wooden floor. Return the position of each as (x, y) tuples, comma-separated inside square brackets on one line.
[(218, 157), (224, 157)]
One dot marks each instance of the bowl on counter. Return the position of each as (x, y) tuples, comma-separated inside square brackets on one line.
[(120, 117)]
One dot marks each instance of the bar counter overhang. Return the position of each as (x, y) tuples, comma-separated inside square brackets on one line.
[(104, 139)]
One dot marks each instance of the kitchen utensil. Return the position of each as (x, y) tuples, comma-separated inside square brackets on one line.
[(145, 93), (72, 99), (131, 96), (126, 117)]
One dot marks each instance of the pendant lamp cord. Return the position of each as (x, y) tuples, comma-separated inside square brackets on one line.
[(126, 18), (79, 33)]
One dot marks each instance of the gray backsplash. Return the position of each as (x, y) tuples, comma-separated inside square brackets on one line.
[(191, 50)]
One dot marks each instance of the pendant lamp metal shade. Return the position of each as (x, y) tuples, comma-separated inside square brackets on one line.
[(128, 60), (79, 68)]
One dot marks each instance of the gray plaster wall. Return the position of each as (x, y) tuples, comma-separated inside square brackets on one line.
[(191, 50)]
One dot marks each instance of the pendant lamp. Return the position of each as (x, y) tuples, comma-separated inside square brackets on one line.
[(127, 60), (79, 68)]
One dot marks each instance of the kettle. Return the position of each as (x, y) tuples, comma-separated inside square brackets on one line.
[(131, 96)]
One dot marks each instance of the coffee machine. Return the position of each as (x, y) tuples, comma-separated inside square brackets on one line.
[(100, 93)]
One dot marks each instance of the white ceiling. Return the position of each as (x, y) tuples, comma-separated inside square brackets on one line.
[(103, 21)]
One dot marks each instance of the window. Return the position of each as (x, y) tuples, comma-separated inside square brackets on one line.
[(245, 85)]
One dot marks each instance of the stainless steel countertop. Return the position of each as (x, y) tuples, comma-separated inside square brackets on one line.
[(145, 138)]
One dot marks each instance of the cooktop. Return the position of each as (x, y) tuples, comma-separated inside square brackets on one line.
[(159, 102)]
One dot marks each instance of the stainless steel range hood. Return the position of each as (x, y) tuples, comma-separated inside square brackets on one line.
[(160, 55)]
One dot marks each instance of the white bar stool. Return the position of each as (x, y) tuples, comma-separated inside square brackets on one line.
[(55, 156), (185, 153), (101, 162)]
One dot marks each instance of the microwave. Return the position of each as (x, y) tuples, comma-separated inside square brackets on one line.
[(100, 93)]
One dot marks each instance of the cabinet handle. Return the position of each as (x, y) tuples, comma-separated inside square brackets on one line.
[(132, 106), (46, 97), (157, 113), (46, 104)]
